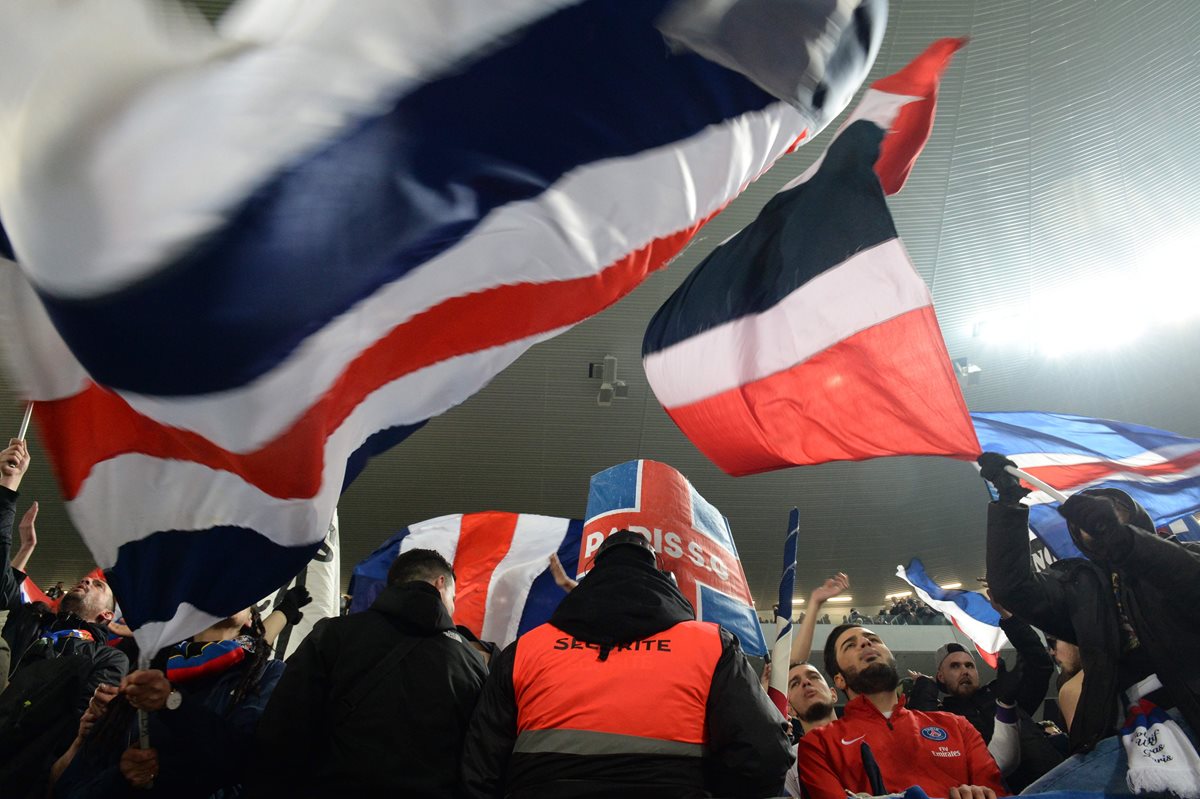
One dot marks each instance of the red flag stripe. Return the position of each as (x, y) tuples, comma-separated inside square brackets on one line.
[(847, 394), (1081, 474), (76, 446), (483, 541)]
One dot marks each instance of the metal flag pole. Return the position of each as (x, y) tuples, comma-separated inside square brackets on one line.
[(781, 653), (1054, 493), (25, 421)]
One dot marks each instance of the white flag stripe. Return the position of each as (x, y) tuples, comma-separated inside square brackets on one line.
[(857, 294), (534, 540), (440, 534)]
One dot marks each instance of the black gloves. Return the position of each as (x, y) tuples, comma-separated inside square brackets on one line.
[(294, 599), (1101, 531), (1007, 686), (991, 468)]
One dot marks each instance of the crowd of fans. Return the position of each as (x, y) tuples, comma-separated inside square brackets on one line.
[(622, 692)]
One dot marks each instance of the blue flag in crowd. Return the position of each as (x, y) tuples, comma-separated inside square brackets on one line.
[(1160, 470)]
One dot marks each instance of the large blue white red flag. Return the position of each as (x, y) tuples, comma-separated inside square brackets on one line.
[(692, 539), (969, 611), (252, 255), (1161, 470), (503, 585), (809, 336)]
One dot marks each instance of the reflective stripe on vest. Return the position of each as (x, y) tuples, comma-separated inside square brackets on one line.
[(645, 697)]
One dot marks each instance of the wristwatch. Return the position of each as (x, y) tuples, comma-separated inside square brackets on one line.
[(174, 700)]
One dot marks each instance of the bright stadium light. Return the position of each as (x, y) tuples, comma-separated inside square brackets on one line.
[(840, 599), (1077, 316), (948, 586)]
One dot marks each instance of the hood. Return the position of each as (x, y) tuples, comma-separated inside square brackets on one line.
[(1138, 517), (622, 599), (416, 607)]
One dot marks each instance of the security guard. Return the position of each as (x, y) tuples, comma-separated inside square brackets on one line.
[(623, 693)]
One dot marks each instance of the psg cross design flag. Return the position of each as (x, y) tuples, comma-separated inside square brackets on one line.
[(691, 537), (809, 336), (1159, 469), (252, 254), (501, 564)]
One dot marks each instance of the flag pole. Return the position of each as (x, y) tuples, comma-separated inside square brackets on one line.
[(25, 421), (781, 653), (1054, 493), (143, 717)]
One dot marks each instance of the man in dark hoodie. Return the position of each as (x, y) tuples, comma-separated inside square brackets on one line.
[(1132, 606), (376, 703), (623, 693)]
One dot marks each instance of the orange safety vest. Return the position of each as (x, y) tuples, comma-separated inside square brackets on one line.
[(647, 697)]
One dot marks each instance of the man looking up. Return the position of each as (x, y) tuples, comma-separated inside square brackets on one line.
[(810, 705), (880, 746), (624, 693)]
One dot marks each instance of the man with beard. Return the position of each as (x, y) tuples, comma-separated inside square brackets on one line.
[(810, 705), (1002, 711), (1132, 605), (624, 693), (58, 659), (879, 746)]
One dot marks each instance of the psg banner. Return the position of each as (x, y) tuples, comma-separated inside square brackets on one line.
[(692, 539)]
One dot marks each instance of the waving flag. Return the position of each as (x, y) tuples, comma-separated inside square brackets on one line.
[(1160, 470), (503, 586), (809, 337), (254, 255), (969, 611), (691, 537), (781, 652)]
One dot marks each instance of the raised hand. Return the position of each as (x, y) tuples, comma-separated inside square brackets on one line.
[(828, 589), (14, 462)]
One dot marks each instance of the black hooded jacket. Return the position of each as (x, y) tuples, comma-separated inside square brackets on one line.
[(622, 600), (1075, 600), (349, 718)]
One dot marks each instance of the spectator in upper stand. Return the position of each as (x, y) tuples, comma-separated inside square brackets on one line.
[(624, 693), (1132, 606), (1002, 711), (204, 701), (879, 745), (56, 659), (376, 702)]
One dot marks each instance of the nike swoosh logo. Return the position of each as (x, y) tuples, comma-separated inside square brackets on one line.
[(856, 740)]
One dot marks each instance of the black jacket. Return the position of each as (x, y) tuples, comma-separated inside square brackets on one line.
[(1038, 753), (26, 623), (348, 718), (1074, 600), (625, 599)]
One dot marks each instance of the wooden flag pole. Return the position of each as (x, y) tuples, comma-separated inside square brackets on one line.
[(1054, 493), (25, 421)]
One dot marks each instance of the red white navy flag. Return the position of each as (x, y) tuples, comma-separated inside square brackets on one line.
[(809, 337), (253, 255)]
